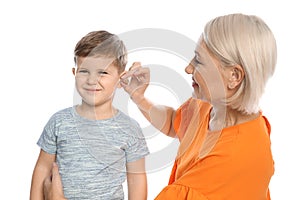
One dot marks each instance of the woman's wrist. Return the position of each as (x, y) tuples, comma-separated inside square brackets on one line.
[(137, 98)]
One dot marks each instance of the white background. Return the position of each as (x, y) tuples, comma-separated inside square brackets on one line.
[(37, 39)]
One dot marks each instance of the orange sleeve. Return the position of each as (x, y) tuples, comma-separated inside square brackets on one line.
[(179, 192), (178, 119)]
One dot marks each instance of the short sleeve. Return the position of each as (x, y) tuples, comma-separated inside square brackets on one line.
[(177, 120), (48, 138), (177, 123), (138, 147)]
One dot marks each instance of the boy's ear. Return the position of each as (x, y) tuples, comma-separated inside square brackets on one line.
[(119, 85), (122, 74), (74, 71)]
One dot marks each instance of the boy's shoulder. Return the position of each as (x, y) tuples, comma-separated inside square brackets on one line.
[(127, 119), (64, 111), (59, 118), (62, 114), (125, 116)]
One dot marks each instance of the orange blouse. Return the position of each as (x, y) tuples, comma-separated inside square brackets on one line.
[(235, 163)]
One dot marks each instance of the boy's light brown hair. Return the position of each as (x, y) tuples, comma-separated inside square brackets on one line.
[(102, 44)]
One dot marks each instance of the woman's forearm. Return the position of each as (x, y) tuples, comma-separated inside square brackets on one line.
[(160, 116)]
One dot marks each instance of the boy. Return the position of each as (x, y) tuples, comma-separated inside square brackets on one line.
[(94, 144)]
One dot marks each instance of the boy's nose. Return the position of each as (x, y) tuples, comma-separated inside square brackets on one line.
[(93, 79)]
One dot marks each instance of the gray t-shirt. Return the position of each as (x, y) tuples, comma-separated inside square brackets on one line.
[(92, 154)]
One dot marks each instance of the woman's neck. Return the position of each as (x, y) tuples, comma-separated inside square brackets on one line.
[(222, 117)]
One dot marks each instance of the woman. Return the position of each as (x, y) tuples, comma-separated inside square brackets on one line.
[(224, 150)]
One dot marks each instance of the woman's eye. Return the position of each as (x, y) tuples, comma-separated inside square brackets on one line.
[(198, 61), (195, 62)]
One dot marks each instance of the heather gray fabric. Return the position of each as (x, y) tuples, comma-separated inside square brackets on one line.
[(92, 154)]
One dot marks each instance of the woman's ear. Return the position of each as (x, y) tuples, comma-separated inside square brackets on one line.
[(74, 71), (236, 76)]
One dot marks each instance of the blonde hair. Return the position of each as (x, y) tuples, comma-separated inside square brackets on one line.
[(244, 40)]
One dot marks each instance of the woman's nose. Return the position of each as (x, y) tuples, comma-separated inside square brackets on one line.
[(189, 69)]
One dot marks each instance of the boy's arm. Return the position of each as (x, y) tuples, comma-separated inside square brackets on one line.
[(41, 171), (137, 180)]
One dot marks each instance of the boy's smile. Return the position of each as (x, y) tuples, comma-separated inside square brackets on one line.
[(96, 80)]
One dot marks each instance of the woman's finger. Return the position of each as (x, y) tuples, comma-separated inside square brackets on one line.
[(135, 65)]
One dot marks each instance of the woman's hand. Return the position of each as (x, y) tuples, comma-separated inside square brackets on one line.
[(135, 81), (53, 189)]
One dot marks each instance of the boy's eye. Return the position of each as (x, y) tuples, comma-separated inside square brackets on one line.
[(103, 72), (83, 71)]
